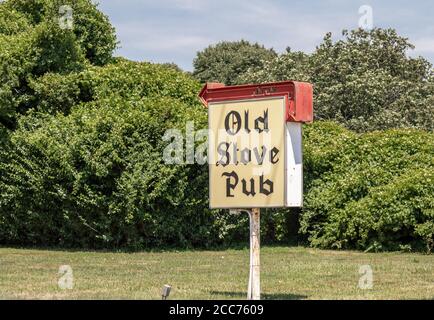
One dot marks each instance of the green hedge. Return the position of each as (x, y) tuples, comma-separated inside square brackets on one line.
[(96, 178), (368, 191), (85, 169)]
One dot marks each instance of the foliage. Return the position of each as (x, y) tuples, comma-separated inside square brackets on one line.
[(368, 190), (226, 61), (96, 178), (370, 83), (365, 81), (33, 43), (92, 29), (286, 66), (127, 79), (24, 56), (12, 21), (81, 149)]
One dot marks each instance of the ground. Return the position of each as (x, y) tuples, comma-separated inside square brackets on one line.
[(287, 273)]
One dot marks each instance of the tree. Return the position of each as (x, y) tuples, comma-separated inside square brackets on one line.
[(365, 81), (226, 61), (93, 31), (12, 21), (291, 65), (29, 55), (33, 43)]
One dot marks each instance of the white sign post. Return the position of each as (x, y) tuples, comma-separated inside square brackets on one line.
[(254, 289)]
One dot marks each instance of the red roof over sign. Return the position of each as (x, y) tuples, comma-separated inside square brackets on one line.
[(298, 96)]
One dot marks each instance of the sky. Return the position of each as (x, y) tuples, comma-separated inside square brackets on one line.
[(175, 30)]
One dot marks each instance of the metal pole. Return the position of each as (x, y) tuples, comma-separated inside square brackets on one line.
[(254, 289)]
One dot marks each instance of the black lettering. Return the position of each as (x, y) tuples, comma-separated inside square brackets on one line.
[(229, 185), (246, 121), (264, 121), (266, 182), (252, 187), (224, 153), (273, 155), (233, 123)]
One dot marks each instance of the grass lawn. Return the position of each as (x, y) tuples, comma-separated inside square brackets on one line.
[(287, 273)]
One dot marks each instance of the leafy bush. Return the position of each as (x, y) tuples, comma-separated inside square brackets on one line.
[(368, 82), (370, 189), (96, 178), (12, 22), (29, 55), (58, 93)]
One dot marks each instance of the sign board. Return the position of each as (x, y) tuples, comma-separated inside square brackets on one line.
[(255, 153)]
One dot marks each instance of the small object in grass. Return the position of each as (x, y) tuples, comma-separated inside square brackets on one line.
[(166, 291)]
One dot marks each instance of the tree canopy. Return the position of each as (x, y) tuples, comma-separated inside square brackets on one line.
[(33, 43), (365, 81), (226, 61)]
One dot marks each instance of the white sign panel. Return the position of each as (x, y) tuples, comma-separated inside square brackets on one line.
[(256, 156), (294, 165)]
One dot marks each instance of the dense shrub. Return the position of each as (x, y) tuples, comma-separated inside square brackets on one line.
[(26, 56), (12, 22), (127, 79), (96, 178), (371, 190)]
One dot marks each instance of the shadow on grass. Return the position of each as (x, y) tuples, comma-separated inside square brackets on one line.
[(264, 296)]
